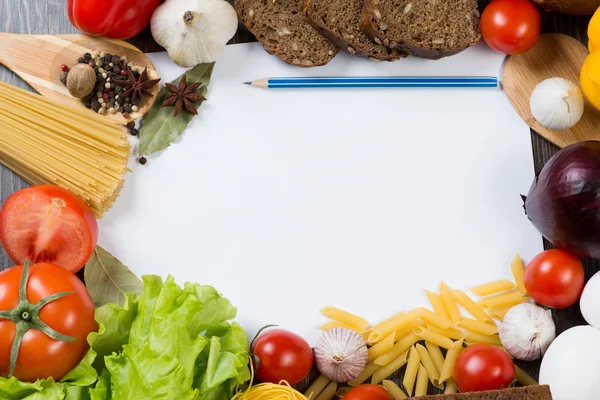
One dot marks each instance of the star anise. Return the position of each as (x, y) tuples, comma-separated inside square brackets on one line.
[(136, 87), (183, 97)]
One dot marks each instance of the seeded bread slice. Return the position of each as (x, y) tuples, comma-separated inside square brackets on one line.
[(339, 21), (424, 28), (541, 392), (284, 32)]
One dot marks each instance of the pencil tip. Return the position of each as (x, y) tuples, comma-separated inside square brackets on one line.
[(248, 83)]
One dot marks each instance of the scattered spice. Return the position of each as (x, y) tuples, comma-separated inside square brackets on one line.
[(137, 86), (142, 160), (134, 132), (64, 68), (183, 96)]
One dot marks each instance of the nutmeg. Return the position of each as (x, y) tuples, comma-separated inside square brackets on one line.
[(81, 80)]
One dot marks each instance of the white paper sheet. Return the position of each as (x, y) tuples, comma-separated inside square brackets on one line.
[(287, 201)]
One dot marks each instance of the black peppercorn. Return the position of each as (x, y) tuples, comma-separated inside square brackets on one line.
[(116, 69), (130, 125), (96, 105), (87, 56), (143, 160), (111, 95), (134, 132), (120, 101), (115, 60), (136, 74), (127, 108), (81, 60), (107, 57), (63, 78)]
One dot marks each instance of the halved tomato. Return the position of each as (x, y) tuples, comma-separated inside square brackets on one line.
[(48, 224)]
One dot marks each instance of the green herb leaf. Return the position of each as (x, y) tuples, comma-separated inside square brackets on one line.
[(159, 127), (107, 279)]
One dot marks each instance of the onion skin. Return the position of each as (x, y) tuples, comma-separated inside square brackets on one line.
[(564, 200)]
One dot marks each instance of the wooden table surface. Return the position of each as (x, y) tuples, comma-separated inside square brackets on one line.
[(50, 16)]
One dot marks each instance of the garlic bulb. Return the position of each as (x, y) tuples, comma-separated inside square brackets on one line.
[(194, 31), (557, 103), (527, 331), (341, 354)]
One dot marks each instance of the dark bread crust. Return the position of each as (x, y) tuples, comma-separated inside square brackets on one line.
[(369, 26), (284, 32), (573, 7), (540, 392), (355, 47)]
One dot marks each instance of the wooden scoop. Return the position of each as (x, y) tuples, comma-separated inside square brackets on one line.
[(37, 60)]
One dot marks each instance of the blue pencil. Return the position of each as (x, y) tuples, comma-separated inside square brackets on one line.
[(377, 82)]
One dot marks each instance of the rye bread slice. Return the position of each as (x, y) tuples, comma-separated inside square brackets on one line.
[(339, 20), (424, 28), (284, 32), (541, 392)]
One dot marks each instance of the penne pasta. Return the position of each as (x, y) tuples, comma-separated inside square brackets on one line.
[(392, 324), (436, 355), (341, 392), (336, 324), (473, 337), (523, 378), (389, 369), (518, 271), (394, 390), (369, 370), (345, 317), (499, 313), (408, 328), (502, 300), (382, 347), (451, 387), (479, 327), (422, 382), (449, 303), (429, 365), (328, 392), (400, 347), (451, 356), (491, 288), (412, 368), (317, 387), (436, 303), (433, 337), (472, 308), (434, 319), (452, 333)]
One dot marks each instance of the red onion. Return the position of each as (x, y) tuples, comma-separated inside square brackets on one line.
[(564, 200)]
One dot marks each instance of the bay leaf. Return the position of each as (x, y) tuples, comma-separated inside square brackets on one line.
[(160, 127), (107, 279)]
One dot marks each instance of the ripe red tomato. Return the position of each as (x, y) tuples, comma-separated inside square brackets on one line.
[(282, 355), (555, 279), (511, 26), (48, 224), (367, 391), (483, 367), (40, 356), (113, 19)]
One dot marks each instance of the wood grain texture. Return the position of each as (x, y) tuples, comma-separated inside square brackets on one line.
[(49, 16), (523, 72)]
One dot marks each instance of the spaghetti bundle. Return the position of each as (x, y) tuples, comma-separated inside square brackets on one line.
[(46, 142)]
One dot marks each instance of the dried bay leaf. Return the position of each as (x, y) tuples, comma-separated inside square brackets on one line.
[(159, 127), (107, 279)]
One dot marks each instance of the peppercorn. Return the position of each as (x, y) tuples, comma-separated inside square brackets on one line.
[(112, 95), (107, 57), (81, 60), (64, 68), (115, 59), (126, 115), (116, 69), (123, 72), (96, 105), (87, 56), (63, 78), (127, 108), (91, 64), (134, 132), (143, 160)]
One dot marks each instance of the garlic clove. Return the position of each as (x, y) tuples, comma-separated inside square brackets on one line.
[(194, 31), (341, 354), (557, 103), (527, 331)]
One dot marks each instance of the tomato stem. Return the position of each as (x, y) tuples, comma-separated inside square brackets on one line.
[(25, 316)]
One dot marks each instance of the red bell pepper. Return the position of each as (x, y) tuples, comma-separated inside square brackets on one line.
[(116, 19)]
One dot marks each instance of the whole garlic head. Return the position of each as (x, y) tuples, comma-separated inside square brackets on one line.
[(194, 31), (527, 331), (341, 354), (557, 103)]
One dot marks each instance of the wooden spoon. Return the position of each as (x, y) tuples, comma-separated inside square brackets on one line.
[(37, 60)]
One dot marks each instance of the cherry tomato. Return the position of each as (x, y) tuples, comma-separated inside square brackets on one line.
[(282, 355), (367, 391), (511, 26), (555, 279), (113, 19), (40, 356), (48, 224), (483, 367)]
